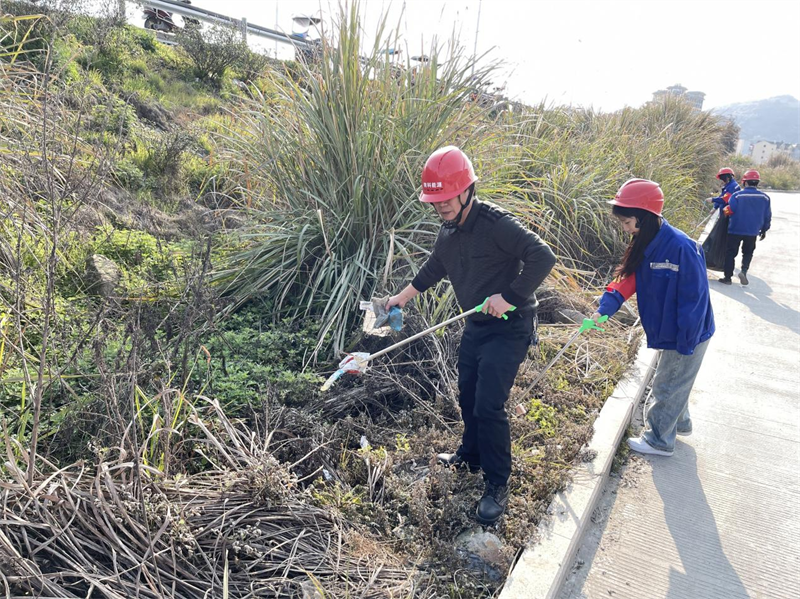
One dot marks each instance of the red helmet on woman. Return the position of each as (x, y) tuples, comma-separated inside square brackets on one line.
[(725, 171), (751, 175), (447, 173), (640, 193)]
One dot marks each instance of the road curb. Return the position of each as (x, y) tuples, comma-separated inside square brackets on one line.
[(543, 567)]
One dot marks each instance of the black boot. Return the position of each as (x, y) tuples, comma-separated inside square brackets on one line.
[(455, 460), (493, 503), (743, 277), (726, 280)]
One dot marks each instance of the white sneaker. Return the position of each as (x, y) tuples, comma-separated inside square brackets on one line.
[(639, 445)]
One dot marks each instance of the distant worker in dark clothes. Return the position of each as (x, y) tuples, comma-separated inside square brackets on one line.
[(750, 215), (716, 243), (486, 253)]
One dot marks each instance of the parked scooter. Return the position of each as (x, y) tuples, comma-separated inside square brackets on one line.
[(161, 20)]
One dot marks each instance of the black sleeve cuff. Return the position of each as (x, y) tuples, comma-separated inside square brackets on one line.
[(513, 298), (419, 285)]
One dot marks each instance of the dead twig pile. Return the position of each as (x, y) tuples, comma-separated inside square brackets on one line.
[(120, 530)]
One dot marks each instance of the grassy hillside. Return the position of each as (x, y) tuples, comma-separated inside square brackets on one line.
[(182, 249)]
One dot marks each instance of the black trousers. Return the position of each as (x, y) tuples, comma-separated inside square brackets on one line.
[(748, 243), (488, 361)]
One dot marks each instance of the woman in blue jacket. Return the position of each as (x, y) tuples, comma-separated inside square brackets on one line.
[(666, 269)]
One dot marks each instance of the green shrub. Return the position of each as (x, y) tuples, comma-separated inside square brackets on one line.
[(213, 50), (160, 159), (252, 65), (144, 259), (114, 116), (202, 176), (114, 50), (545, 416), (128, 175), (572, 161), (252, 356)]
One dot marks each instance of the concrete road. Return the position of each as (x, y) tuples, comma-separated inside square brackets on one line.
[(720, 519)]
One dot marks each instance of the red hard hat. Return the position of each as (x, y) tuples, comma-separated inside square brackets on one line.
[(640, 193), (725, 171), (447, 173), (751, 175)]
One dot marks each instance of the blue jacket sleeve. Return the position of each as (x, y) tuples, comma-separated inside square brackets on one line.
[(722, 199), (767, 217), (610, 303), (733, 204), (616, 293), (692, 298)]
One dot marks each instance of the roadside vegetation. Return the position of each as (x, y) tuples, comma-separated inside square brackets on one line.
[(780, 172), (183, 245)]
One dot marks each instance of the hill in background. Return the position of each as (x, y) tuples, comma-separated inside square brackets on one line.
[(773, 119)]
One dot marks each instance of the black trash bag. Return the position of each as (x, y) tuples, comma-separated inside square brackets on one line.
[(714, 245)]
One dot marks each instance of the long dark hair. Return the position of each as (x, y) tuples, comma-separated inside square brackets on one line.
[(649, 225)]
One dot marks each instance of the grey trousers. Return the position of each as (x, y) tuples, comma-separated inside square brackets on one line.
[(671, 388)]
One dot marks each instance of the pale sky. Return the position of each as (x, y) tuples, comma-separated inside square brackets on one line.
[(601, 53)]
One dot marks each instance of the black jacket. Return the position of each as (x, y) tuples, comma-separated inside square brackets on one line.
[(490, 253)]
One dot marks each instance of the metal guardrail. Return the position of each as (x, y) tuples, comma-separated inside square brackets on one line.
[(208, 16)]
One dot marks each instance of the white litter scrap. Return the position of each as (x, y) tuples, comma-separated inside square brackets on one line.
[(355, 363)]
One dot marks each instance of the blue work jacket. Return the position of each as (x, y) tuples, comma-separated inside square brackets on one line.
[(751, 213), (672, 290)]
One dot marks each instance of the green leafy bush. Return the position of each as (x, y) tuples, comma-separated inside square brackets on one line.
[(113, 116), (214, 50), (145, 261), (251, 356)]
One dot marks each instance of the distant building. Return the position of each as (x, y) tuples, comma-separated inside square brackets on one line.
[(764, 150), (660, 95), (694, 98), (743, 147)]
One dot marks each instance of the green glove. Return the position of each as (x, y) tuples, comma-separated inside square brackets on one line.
[(589, 324), (479, 308)]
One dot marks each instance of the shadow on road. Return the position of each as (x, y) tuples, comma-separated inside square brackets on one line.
[(757, 297), (706, 569)]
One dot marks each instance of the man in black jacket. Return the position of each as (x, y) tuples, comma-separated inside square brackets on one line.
[(486, 253)]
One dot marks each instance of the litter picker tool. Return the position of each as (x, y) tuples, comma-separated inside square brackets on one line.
[(587, 325), (357, 362)]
